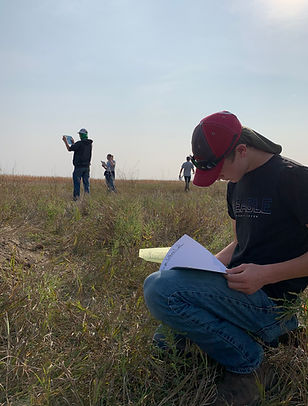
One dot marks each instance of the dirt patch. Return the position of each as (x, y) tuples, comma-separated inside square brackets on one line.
[(15, 247)]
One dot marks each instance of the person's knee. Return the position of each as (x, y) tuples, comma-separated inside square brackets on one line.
[(155, 294), (150, 287)]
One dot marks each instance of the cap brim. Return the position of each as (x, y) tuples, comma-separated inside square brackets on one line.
[(207, 178)]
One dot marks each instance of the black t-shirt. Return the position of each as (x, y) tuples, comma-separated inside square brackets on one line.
[(270, 206), (82, 153)]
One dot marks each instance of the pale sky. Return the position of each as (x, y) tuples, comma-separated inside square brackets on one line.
[(140, 74)]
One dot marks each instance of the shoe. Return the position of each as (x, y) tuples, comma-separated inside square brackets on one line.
[(245, 389)]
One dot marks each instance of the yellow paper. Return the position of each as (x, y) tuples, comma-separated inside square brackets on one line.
[(153, 254)]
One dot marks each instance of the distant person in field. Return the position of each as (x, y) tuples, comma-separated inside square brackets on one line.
[(109, 173), (187, 167), (113, 170), (232, 316), (81, 161)]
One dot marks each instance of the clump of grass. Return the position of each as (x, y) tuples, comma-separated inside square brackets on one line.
[(74, 329)]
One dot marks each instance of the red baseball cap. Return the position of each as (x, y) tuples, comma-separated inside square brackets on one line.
[(212, 140)]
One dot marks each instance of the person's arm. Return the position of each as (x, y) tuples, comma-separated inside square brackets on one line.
[(181, 170), (248, 278), (226, 253)]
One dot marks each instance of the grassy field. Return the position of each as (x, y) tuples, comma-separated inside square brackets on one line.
[(74, 329)]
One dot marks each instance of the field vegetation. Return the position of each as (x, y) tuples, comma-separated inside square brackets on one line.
[(74, 329)]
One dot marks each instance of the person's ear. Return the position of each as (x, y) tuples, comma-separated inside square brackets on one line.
[(241, 149)]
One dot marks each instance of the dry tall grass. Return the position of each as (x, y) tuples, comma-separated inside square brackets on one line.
[(74, 329)]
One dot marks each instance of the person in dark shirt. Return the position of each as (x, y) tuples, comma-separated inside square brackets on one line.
[(229, 316), (81, 161)]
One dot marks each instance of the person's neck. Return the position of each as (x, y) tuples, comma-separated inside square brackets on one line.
[(258, 158)]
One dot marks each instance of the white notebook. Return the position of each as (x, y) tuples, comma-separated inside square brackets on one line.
[(188, 253), (69, 139)]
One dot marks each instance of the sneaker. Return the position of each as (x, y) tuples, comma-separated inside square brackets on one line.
[(245, 389)]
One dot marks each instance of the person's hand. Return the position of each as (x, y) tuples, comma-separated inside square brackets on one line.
[(63, 138), (246, 278)]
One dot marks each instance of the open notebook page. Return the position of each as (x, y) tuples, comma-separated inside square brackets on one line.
[(188, 253)]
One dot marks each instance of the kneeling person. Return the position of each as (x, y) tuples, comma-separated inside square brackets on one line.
[(227, 316)]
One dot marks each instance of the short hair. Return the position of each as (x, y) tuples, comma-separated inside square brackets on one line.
[(188, 158), (231, 156)]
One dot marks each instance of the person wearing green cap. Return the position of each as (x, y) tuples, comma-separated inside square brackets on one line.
[(81, 161), (232, 316)]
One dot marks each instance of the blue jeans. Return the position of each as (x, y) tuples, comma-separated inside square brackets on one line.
[(109, 181), (222, 322), (78, 174)]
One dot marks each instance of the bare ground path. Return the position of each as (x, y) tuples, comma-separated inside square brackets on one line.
[(17, 247)]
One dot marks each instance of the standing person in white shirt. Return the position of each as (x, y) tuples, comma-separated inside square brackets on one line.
[(187, 167), (109, 172)]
